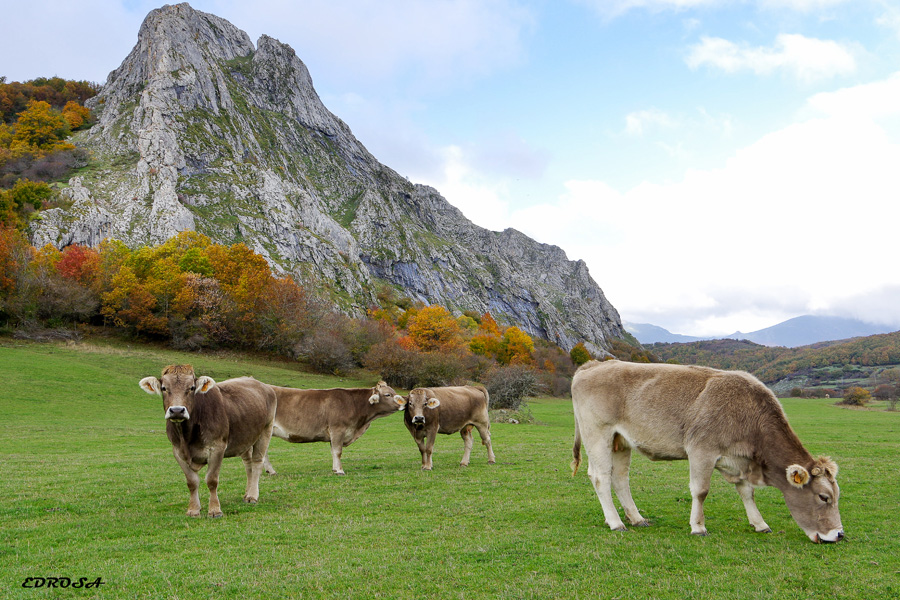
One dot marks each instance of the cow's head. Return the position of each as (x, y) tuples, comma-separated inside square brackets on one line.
[(177, 388), (386, 398), (812, 497), (421, 402)]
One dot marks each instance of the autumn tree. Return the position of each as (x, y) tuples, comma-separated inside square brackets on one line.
[(40, 129), (76, 115), (433, 328), (23, 198), (486, 341), (515, 347)]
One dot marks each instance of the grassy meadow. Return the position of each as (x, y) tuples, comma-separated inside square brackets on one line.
[(90, 489)]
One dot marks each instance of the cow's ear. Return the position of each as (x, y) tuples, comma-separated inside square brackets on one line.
[(400, 400), (373, 399), (204, 384), (432, 402), (150, 385), (797, 476)]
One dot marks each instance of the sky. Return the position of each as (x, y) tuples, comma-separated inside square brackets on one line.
[(720, 165)]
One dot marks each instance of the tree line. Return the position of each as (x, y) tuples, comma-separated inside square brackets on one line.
[(772, 364), (194, 294)]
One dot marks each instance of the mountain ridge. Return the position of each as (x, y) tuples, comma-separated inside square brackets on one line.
[(799, 331), (199, 129)]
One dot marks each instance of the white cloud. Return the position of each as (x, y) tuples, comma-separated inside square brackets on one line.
[(806, 59), (481, 200), (871, 101), (615, 8), (799, 221), (636, 123), (890, 19)]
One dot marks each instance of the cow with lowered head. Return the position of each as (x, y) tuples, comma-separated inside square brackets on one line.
[(208, 421), (338, 416), (430, 411), (717, 420)]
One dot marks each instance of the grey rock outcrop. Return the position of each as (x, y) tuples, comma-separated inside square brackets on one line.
[(200, 130)]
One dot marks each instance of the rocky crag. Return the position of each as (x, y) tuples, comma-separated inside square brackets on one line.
[(200, 130)]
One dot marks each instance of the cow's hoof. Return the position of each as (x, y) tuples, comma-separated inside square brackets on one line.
[(193, 513), (426, 468), (766, 530), (619, 528), (271, 472), (216, 515), (339, 473), (491, 462), (644, 523), (250, 500), (462, 464), (703, 533)]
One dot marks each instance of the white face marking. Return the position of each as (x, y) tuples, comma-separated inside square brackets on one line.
[(181, 417)]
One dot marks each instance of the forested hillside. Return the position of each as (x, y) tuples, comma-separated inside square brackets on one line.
[(36, 119), (827, 363)]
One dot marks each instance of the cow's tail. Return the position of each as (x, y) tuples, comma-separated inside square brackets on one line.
[(487, 397), (576, 449)]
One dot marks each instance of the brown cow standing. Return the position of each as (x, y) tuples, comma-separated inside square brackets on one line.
[(339, 416), (208, 421), (725, 420), (430, 411)]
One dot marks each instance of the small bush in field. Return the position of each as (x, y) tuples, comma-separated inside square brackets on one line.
[(856, 396), (508, 386)]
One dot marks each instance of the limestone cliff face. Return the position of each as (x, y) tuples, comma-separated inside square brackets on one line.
[(200, 130)]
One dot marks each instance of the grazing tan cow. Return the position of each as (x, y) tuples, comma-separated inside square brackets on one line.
[(339, 416), (208, 421), (725, 420), (430, 411)]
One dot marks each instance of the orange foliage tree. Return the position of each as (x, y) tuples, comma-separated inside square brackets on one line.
[(433, 328)]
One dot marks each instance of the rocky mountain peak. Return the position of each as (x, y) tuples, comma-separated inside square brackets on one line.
[(200, 130)]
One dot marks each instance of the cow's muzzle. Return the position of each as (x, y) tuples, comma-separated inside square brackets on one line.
[(828, 538), (418, 422), (177, 414)]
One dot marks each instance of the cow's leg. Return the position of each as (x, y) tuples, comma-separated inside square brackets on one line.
[(485, 432), (600, 466), (337, 448), (621, 462), (212, 480), (193, 485), (267, 466), (745, 490), (419, 436), (429, 449), (701, 468), (254, 459), (468, 442)]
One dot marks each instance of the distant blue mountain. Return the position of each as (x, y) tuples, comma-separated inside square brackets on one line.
[(808, 329), (799, 331), (651, 334)]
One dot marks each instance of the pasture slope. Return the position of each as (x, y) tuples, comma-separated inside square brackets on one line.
[(90, 489)]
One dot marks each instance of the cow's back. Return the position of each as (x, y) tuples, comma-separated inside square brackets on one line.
[(661, 409), (249, 406)]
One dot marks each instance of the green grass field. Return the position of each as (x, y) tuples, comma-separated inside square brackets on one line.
[(90, 489)]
